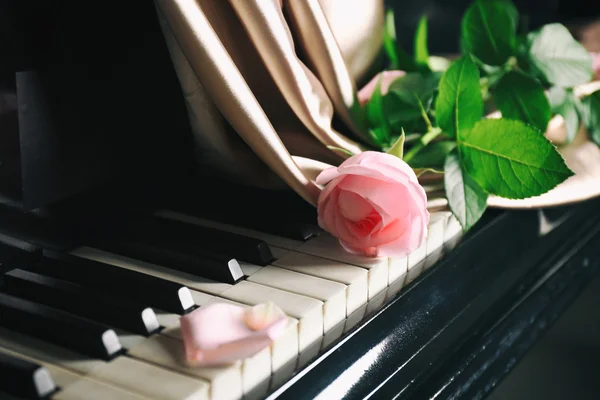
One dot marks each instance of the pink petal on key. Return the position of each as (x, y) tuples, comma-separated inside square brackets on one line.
[(222, 333)]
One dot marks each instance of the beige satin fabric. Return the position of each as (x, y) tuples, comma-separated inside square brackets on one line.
[(243, 79), (304, 93), (310, 26), (222, 80)]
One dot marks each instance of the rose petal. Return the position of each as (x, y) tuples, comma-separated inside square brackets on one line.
[(405, 245), (387, 77), (391, 198), (596, 65), (262, 316), (327, 175), (369, 251), (218, 333), (353, 206)]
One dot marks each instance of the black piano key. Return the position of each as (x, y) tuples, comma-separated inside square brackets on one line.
[(192, 236), (175, 255), (13, 249), (35, 228), (276, 225), (61, 328), (156, 292), (24, 379), (277, 212), (84, 302)]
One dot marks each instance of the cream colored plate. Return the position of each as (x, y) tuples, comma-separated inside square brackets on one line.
[(583, 157)]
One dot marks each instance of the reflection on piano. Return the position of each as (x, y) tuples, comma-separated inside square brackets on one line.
[(90, 301)]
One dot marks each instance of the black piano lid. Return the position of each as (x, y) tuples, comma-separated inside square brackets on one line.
[(460, 328)]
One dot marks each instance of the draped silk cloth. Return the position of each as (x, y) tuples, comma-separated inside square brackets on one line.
[(264, 81)]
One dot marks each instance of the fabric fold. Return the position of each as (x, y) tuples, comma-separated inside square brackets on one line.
[(324, 57), (226, 86), (265, 24)]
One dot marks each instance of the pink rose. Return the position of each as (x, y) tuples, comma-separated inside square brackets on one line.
[(222, 333), (374, 204), (387, 77), (596, 65)]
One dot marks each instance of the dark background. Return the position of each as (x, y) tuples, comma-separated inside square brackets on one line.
[(444, 18)]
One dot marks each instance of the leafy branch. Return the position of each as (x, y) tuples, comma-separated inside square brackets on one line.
[(527, 76)]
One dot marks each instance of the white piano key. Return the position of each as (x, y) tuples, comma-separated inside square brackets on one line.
[(414, 273), (437, 230), (150, 381), (90, 389), (256, 370), (435, 237), (415, 259), (332, 294), (309, 353), (256, 373), (166, 352), (129, 374), (334, 334), (395, 287), (129, 340), (170, 323), (327, 246), (376, 302), (284, 350), (355, 278), (191, 281), (308, 311), (453, 233), (398, 268), (355, 318), (266, 237)]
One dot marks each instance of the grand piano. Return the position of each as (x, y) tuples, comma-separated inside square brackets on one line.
[(102, 248)]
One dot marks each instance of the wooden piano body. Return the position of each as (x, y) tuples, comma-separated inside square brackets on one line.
[(450, 321)]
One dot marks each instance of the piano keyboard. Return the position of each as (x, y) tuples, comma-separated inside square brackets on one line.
[(85, 323)]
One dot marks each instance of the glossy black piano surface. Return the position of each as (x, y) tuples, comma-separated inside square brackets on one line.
[(454, 332)]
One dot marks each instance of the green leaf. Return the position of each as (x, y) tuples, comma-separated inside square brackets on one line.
[(591, 115), (488, 31), (559, 57), (432, 156), (349, 153), (389, 39), (466, 198), (421, 51), (397, 148), (513, 12), (521, 97), (511, 159), (375, 116), (399, 59), (459, 103), (565, 103), (405, 95)]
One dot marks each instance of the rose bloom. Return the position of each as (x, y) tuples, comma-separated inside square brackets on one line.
[(374, 204)]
